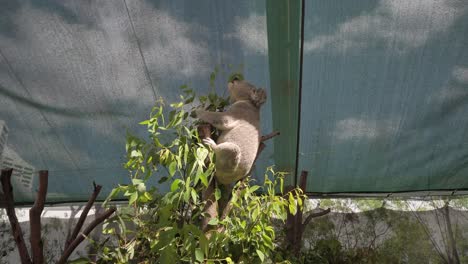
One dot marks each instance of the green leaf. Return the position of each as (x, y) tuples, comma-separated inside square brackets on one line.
[(202, 153), (148, 196), (133, 198), (172, 168), (213, 221), (141, 187), (175, 185), (199, 256), (194, 196), (260, 255), (135, 154), (137, 181), (254, 188), (204, 179), (217, 194), (187, 194), (168, 254), (177, 105), (212, 79), (113, 193)]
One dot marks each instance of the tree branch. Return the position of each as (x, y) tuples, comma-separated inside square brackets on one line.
[(10, 209), (69, 250), (84, 214), (269, 136), (314, 215), (211, 207), (35, 219)]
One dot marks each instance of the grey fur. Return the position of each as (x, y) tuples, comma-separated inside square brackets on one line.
[(237, 145)]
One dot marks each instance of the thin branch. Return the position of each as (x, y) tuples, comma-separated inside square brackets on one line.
[(70, 224), (10, 209), (35, 219), (314, 215), (69, 250), (269, 136), (84, 214)]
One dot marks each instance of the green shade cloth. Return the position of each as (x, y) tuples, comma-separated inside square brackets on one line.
[(385, 96), (384, 105)]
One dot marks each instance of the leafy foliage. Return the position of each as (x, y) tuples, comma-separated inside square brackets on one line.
[(165, 227)]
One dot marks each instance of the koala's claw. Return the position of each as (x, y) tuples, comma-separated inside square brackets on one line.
[(209, 142)]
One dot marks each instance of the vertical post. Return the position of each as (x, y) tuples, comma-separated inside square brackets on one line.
[(35, 219), (284, 38), (294, 224)]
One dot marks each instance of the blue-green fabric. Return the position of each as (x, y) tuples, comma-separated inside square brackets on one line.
[(385, 96), (75, 76), (384, 106)]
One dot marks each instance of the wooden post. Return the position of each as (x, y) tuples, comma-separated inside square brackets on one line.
[(35, 219), (295, 226), (10, 209)]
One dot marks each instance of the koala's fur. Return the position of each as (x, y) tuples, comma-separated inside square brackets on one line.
[(238, 142)]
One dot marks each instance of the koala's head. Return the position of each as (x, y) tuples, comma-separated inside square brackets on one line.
[(242, 90)]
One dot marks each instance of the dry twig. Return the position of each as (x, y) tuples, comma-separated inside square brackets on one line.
[(69, 250), (84, 214)]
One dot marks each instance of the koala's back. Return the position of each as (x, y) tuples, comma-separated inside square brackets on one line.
[(246, 135)]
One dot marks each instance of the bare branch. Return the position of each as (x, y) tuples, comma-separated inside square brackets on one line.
[(35, 219), (314, 215), (269, 136), (10, 209), (69, 250), (84, 214)]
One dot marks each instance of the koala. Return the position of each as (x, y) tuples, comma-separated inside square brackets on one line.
[(239, 139)]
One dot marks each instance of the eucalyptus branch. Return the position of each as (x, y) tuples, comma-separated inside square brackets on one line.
[(84, 214)]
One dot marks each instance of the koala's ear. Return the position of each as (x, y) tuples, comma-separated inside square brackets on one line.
[(258, 97)]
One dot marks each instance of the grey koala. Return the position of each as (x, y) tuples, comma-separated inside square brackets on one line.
[(238, 142)]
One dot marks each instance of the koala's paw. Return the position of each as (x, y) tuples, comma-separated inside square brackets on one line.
[(209, 142)]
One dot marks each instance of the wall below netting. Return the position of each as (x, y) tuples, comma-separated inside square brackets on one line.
[(387, 236), (399, 232), (56, 222)]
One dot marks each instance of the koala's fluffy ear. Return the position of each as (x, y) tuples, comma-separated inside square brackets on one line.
[(258, 96)]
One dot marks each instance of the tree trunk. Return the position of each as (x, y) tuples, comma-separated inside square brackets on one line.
[(10, 209)]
